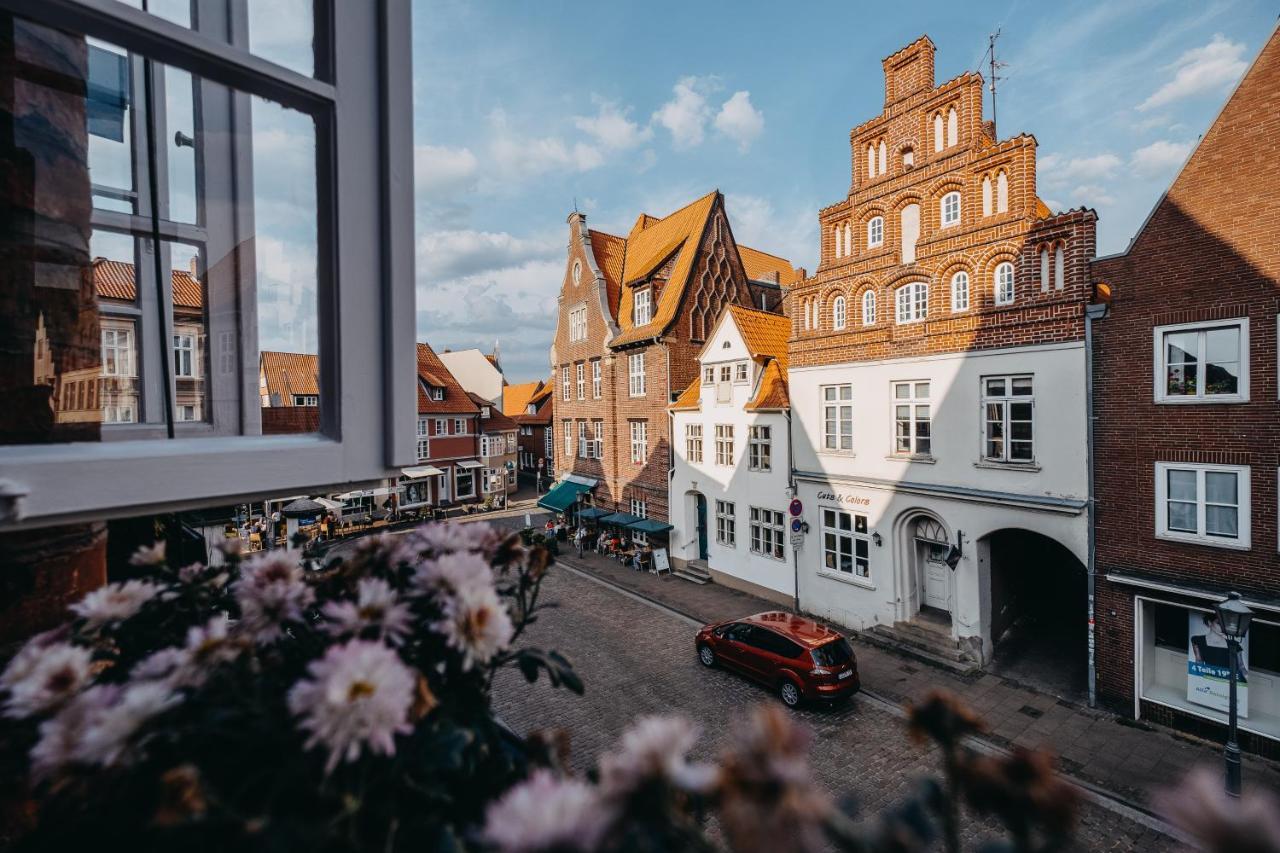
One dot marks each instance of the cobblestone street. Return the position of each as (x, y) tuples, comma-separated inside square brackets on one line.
[(638, 659)]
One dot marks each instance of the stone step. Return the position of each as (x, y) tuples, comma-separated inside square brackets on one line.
[(693, 574), (949, 659)]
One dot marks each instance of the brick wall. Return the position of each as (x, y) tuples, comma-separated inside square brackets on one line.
[(1207, 252), (278, 420)]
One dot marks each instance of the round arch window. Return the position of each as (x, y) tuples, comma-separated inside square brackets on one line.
[(577, 272)]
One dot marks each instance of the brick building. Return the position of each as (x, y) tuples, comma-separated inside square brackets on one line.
[(497, 450), (634, 312), (1187, 429), (533, 412), (448, 469), (938, 383)]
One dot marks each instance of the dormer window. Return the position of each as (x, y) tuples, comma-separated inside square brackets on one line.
[(484, 411), (643, 311), (437, 393), (530, 409)]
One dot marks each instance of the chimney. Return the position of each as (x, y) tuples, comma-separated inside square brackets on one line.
[(908, 71)]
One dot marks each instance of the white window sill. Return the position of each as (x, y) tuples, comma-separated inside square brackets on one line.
[(1216, 399), (852, 580), (1242, 544), (924, 459), (1029, 467), (843, 454)]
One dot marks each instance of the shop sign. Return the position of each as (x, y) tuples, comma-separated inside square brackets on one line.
[(844, 499), (1209, 665)]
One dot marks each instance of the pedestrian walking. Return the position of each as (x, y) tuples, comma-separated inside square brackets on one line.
[(580, 540)]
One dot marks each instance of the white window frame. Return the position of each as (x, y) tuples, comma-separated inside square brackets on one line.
[(184, 355), (759, 447), (580, 370), (568, 436), (724, 444), (642, 307), (693, 443), (566, 393), (839, 313), (635, 375), (960, 295), (913, 401), (584, 444), (639, 442), (726, 524), (1159, 376), (875, 232), (437, 393), (740, 373), (998, 283), (460, 426), (949, 209), (640, 509), (117, 341), (1241, 542), (442, 426), (1004, 401), (911, 302), (578, 324), (835, 533), (597, 440), (595, 379), (833, 404), (869, 308), (767, 533), (364, 105)]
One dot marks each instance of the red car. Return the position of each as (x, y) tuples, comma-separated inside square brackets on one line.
[(795, 656)]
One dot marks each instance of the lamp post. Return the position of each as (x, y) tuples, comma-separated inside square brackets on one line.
[(1234, 618)]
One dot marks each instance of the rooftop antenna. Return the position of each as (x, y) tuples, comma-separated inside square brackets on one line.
[(575, 204), (995, 65)]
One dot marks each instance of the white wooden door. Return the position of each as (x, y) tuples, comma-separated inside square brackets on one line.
[(937, 584)]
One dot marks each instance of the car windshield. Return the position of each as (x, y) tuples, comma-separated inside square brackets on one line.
[(833, 653)]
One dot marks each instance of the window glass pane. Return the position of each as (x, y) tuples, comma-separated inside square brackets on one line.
[(1222, 361), (1182, 485), (1181, 349), (995, 387), (179, 134), (1182, 516), (1220, 487), (1221, 521), (1022, 386), (1171, 627)]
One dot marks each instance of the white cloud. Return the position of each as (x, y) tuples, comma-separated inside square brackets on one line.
[(441, 170), (1160, 157), (1200, 70), (517, 157), (612, 127), (1092, 194), (446, 255), (739, 120), (758, 224), (685, 116), (1054, 169)]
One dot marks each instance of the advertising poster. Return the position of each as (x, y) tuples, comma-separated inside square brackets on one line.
[(1208, 667)]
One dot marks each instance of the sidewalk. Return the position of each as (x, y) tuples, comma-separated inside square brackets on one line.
[(1125, 757)]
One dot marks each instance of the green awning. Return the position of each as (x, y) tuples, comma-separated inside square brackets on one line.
[(591, 513), (649, 525), (562, 495), (622, 519)]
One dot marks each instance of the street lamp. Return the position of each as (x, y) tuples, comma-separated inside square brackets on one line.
[(1234, 618)]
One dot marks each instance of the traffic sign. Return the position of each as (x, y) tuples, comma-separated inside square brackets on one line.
[(796, 507), (797, 527)]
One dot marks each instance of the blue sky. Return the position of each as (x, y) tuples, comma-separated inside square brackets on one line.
[(523, 108)]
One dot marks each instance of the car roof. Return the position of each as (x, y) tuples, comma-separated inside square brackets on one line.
[(804, 631)]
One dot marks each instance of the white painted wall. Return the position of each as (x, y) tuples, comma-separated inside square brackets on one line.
[(475, 374), (736, 483)]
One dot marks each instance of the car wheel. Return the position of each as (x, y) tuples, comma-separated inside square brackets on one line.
[(707, 656), (790, 694)]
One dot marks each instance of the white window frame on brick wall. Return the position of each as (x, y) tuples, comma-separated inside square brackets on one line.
[(949, 209), (838, 313), (578, 324), (584, 446), (724, 444), (643, 306), (635, 374), (442, 426), (693, 443), (566, 393), (568, 436), (1003, 283), (875, 232), (911, 302), (639, 442), (1201, 332), (597, 438), (846, 546), (869, 308), (640, 509), (726, 524), (960, 291), (837, 419), (759, 447), (768, 528), (1202, 505), (580, 371), (595, 379), (460, 426), (997, 417)]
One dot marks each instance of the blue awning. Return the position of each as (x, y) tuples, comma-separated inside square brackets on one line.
[(562, 496), (622, 519), (649, 525)]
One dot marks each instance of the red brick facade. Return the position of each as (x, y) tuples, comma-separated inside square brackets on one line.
[(904, 163), (1210, 251)]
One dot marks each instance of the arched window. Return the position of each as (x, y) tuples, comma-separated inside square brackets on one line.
[(884, 158), (835, 233), (1002, 283), (912, 302), (986, 196), (960, 291), (577, 272), (953, 127), (1002, 193), (950, 209), (875, 232), (908, 158), (838, 313), (871, 161), (869, 308), (909, 230), (815, 321), (848, 238), (1059, 274), (804, 315), (1044, 269), (937, 132)]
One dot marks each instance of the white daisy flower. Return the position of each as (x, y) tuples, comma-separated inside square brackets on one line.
[(114, 603), (545, 813), (40, 678), (60, 735), (161, 665), (358, 695), (149, 556), (270, 592), (449, 574), (654, 747), (115, 717), (376, 607), (446, 538), (207, 647), (192, 573), (476, 623)]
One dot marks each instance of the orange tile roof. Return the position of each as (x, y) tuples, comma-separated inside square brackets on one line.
[(289, 373), (118, 280), (432, 370), (515, 398), (497, 421), (764, 334), (689, 399), (773, 392), (610, 252), (761, 266)]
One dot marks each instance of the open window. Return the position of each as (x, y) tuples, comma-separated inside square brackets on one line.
[(204, 196)]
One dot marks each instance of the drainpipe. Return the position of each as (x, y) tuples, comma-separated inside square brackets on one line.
[(791, 482), (1092, 312)]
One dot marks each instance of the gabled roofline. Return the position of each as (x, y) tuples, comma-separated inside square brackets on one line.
[(1275, 28), (602, 286)]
